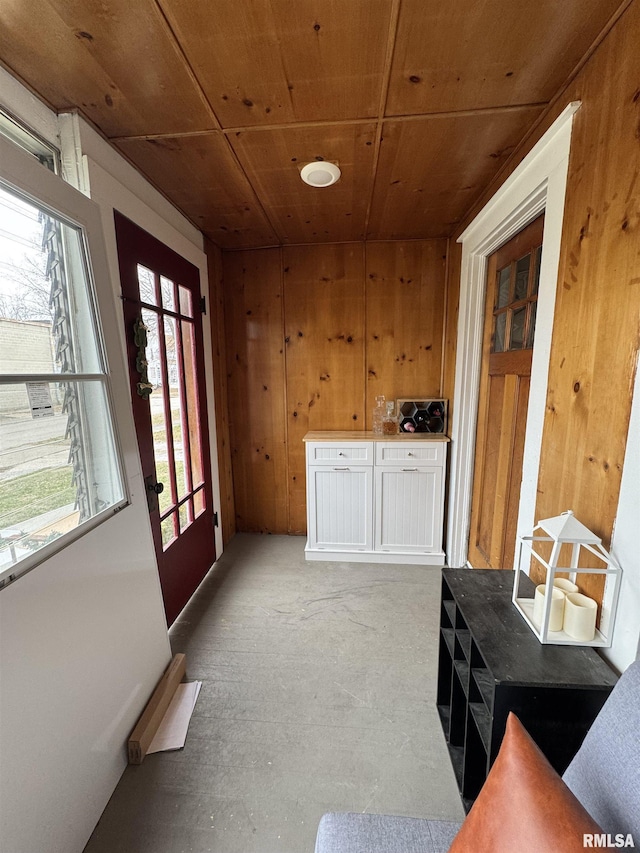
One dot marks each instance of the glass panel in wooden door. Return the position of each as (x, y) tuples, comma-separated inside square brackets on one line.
[(160, 291)]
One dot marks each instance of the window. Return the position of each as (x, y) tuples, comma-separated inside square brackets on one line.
[(514, 316), (60, 470), (29, 141)]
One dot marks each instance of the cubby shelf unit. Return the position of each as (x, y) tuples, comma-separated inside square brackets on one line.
[(490, 664)]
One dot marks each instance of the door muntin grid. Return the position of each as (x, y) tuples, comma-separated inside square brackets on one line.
[(167, 311), (515, 308)]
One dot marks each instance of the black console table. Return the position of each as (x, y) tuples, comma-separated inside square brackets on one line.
[(491, 663)]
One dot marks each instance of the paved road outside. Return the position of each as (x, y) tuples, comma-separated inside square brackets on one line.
[(28, 445)]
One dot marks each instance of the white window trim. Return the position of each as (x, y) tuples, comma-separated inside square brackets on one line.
[(22, 172), (537, 185)]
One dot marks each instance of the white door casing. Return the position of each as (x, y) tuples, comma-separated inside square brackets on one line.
[(538, 184)]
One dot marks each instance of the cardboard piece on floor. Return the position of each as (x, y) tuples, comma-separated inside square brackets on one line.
[(172, 732), (152, 715)]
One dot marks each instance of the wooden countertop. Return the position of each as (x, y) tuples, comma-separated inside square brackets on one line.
[(362, 435)]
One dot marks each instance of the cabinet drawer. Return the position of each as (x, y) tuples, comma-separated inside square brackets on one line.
[(416, 453), (338, 453)]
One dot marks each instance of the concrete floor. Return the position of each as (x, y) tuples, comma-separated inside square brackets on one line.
[(318, 695)]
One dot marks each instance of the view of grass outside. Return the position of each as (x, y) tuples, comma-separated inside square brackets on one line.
[(165, 500), (33, 494), (46, 490)]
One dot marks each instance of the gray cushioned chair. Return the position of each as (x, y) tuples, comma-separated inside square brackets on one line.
[(604, 776)]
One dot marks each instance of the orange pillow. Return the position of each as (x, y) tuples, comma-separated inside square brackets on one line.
[(524, 805)]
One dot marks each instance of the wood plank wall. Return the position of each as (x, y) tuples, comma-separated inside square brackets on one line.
[(215, 304), (324, 328), (313, 334), (596, 334), (454, 259), (256, 391)]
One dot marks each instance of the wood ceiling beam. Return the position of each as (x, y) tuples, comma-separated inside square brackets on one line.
[(232, 131)]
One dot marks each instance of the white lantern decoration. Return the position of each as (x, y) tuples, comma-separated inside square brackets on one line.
[(579, 611)]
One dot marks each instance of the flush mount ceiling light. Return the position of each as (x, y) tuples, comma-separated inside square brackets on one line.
[(320, 174)]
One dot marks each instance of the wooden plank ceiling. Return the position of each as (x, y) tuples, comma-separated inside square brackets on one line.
[(220, 104)]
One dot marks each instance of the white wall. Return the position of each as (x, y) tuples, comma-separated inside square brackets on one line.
[(625, 547), (83, 637)]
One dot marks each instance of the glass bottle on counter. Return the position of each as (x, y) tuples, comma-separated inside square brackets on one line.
[(390, 422), (379, 412)]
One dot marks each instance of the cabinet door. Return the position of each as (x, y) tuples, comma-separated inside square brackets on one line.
[(340, 504), (408, 509)]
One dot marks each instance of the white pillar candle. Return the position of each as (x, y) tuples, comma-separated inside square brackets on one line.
[(557, 607), (565, 585), (580, 613)]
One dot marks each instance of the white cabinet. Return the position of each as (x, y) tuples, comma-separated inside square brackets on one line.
[(375, 499), (340, 507), (406, 509)]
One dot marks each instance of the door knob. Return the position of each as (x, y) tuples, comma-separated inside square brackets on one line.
[(154, 488)]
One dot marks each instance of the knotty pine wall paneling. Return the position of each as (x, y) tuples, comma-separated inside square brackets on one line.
[(596, 333), (335, 299), (452, 310), (256, 388), (598, 298), (405, 292), (215, 306), (325, 352)]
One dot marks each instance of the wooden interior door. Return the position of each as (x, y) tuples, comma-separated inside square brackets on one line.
[(510, 314), (162, 290)]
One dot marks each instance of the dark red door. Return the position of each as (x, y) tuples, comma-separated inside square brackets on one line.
[(163, 320)]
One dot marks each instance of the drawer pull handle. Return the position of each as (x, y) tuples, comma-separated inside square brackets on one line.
[(341, 453), (409, 469), (346, 469), (409, 453)]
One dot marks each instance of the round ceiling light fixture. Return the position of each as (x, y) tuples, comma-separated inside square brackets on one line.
[(320, 174)]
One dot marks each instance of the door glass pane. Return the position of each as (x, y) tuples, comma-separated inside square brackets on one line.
[(44, 283), (190, 378), (159, 418), (517, 328), (503, 287), (198, 502), (168, 530), (522, 278), (58, 464), (498, 337), (168, 293), (186, 516), (147, 285), (186, 307), (172, 349)]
